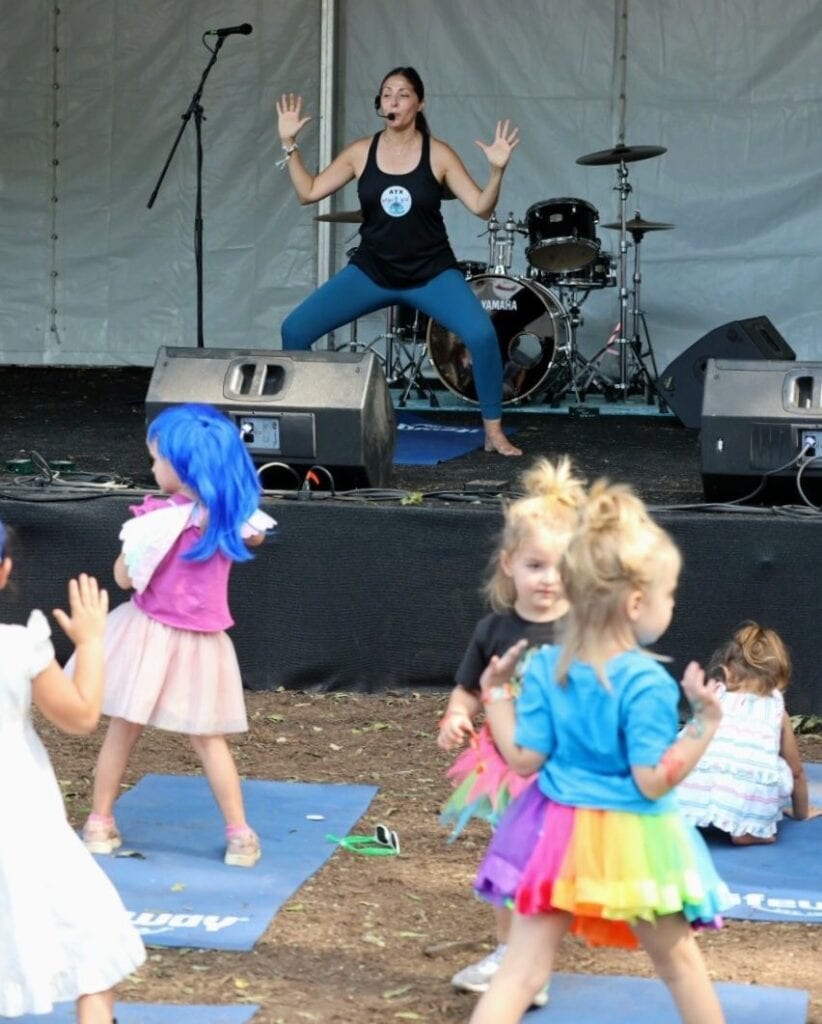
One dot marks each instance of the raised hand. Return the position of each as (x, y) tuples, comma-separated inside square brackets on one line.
[(703, 696), (88, 605), (501, 667), (290, 121), (506, 140)]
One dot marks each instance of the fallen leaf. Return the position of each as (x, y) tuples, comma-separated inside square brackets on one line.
[(393, 993)]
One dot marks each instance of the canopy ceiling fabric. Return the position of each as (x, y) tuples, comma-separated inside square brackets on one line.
[(729, 87)]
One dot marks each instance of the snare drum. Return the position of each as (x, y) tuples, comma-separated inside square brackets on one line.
[(562, 234), (532, 328), (599, 273)]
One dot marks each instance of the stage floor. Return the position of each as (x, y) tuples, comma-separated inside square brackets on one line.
[(94, 418), (374, 591)]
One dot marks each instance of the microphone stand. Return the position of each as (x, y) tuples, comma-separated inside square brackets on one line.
[(194, 108)]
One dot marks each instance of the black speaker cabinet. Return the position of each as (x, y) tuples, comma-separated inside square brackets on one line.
[(757, 418), (330, 409), (681, 383)]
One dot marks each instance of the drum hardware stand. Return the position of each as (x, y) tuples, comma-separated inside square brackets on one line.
[(583, 373), (404, 358), (501, 250), (628, 352), (402, 368), (651, 380)]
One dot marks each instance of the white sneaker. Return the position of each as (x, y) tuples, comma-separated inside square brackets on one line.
[(477, 977)]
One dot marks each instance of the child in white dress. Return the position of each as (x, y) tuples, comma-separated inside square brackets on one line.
[(64, 933), (752, 766)]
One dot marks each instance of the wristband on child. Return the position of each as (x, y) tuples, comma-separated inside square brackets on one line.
[(497, 693)]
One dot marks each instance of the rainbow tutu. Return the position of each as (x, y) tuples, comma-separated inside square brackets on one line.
[(607, 868), (485, 785)]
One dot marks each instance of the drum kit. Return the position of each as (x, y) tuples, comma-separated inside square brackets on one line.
[(536, 316)]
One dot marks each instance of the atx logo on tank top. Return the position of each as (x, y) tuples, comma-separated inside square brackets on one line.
[(396, 201)]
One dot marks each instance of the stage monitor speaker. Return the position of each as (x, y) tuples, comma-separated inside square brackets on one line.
[(757, 418), (329, 409), (682, 382)]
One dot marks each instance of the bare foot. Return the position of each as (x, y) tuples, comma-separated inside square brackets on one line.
[(501, 445), (749, 840)]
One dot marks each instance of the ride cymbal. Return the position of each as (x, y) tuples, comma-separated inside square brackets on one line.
[(638, 224), (621, 155), (341, 217)]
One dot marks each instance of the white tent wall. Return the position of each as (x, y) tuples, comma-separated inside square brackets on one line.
[(119, 279), (730, 87)]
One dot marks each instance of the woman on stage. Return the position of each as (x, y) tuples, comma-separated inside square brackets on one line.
[(404, 255)]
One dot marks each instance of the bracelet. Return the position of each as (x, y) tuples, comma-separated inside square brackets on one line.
[(497, 693), (288, 150)]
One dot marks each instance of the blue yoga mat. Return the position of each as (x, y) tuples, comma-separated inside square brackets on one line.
[(781, 881), (604, 999), (153, 1013), (181, 893), (421, 443)]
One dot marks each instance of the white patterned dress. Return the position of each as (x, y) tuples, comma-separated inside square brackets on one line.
[(63, 930), (741, 782)]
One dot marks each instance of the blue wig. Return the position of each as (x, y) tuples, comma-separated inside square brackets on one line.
[(206, 452), (2, 541)]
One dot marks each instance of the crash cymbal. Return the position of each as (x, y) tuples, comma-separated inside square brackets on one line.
[(341, 217), (621, 155), (638, 224)]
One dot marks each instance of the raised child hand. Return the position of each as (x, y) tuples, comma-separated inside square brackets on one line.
[(501, 667), (702, 694), (88, 605)]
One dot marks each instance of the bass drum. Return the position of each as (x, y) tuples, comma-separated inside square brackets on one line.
[(532, 330)]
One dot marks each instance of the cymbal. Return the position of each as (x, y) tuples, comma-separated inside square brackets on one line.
[(621, 155), (638, 224), (341, 217)]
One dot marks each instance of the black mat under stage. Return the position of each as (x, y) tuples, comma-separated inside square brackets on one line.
[(358, 593)]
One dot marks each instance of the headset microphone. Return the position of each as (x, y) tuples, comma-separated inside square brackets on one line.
[(388, 117)]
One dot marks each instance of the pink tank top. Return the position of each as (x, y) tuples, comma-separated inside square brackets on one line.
[(184, 594)]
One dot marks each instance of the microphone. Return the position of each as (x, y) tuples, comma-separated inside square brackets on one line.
[(388, 117), (241, 30)]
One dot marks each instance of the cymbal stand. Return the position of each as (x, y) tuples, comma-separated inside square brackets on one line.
[(638, 321), (626, 352)]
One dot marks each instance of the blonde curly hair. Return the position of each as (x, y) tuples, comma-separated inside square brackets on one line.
[(616, 549), (552, 500)]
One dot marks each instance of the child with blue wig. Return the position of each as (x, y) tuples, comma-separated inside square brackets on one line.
[(169, 662)]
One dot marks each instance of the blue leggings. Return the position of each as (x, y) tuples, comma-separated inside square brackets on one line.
[(446, 298)]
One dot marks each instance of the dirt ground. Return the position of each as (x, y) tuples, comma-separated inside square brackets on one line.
[(375, 940)]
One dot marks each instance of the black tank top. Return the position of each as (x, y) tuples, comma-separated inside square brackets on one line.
[(402, 239)]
